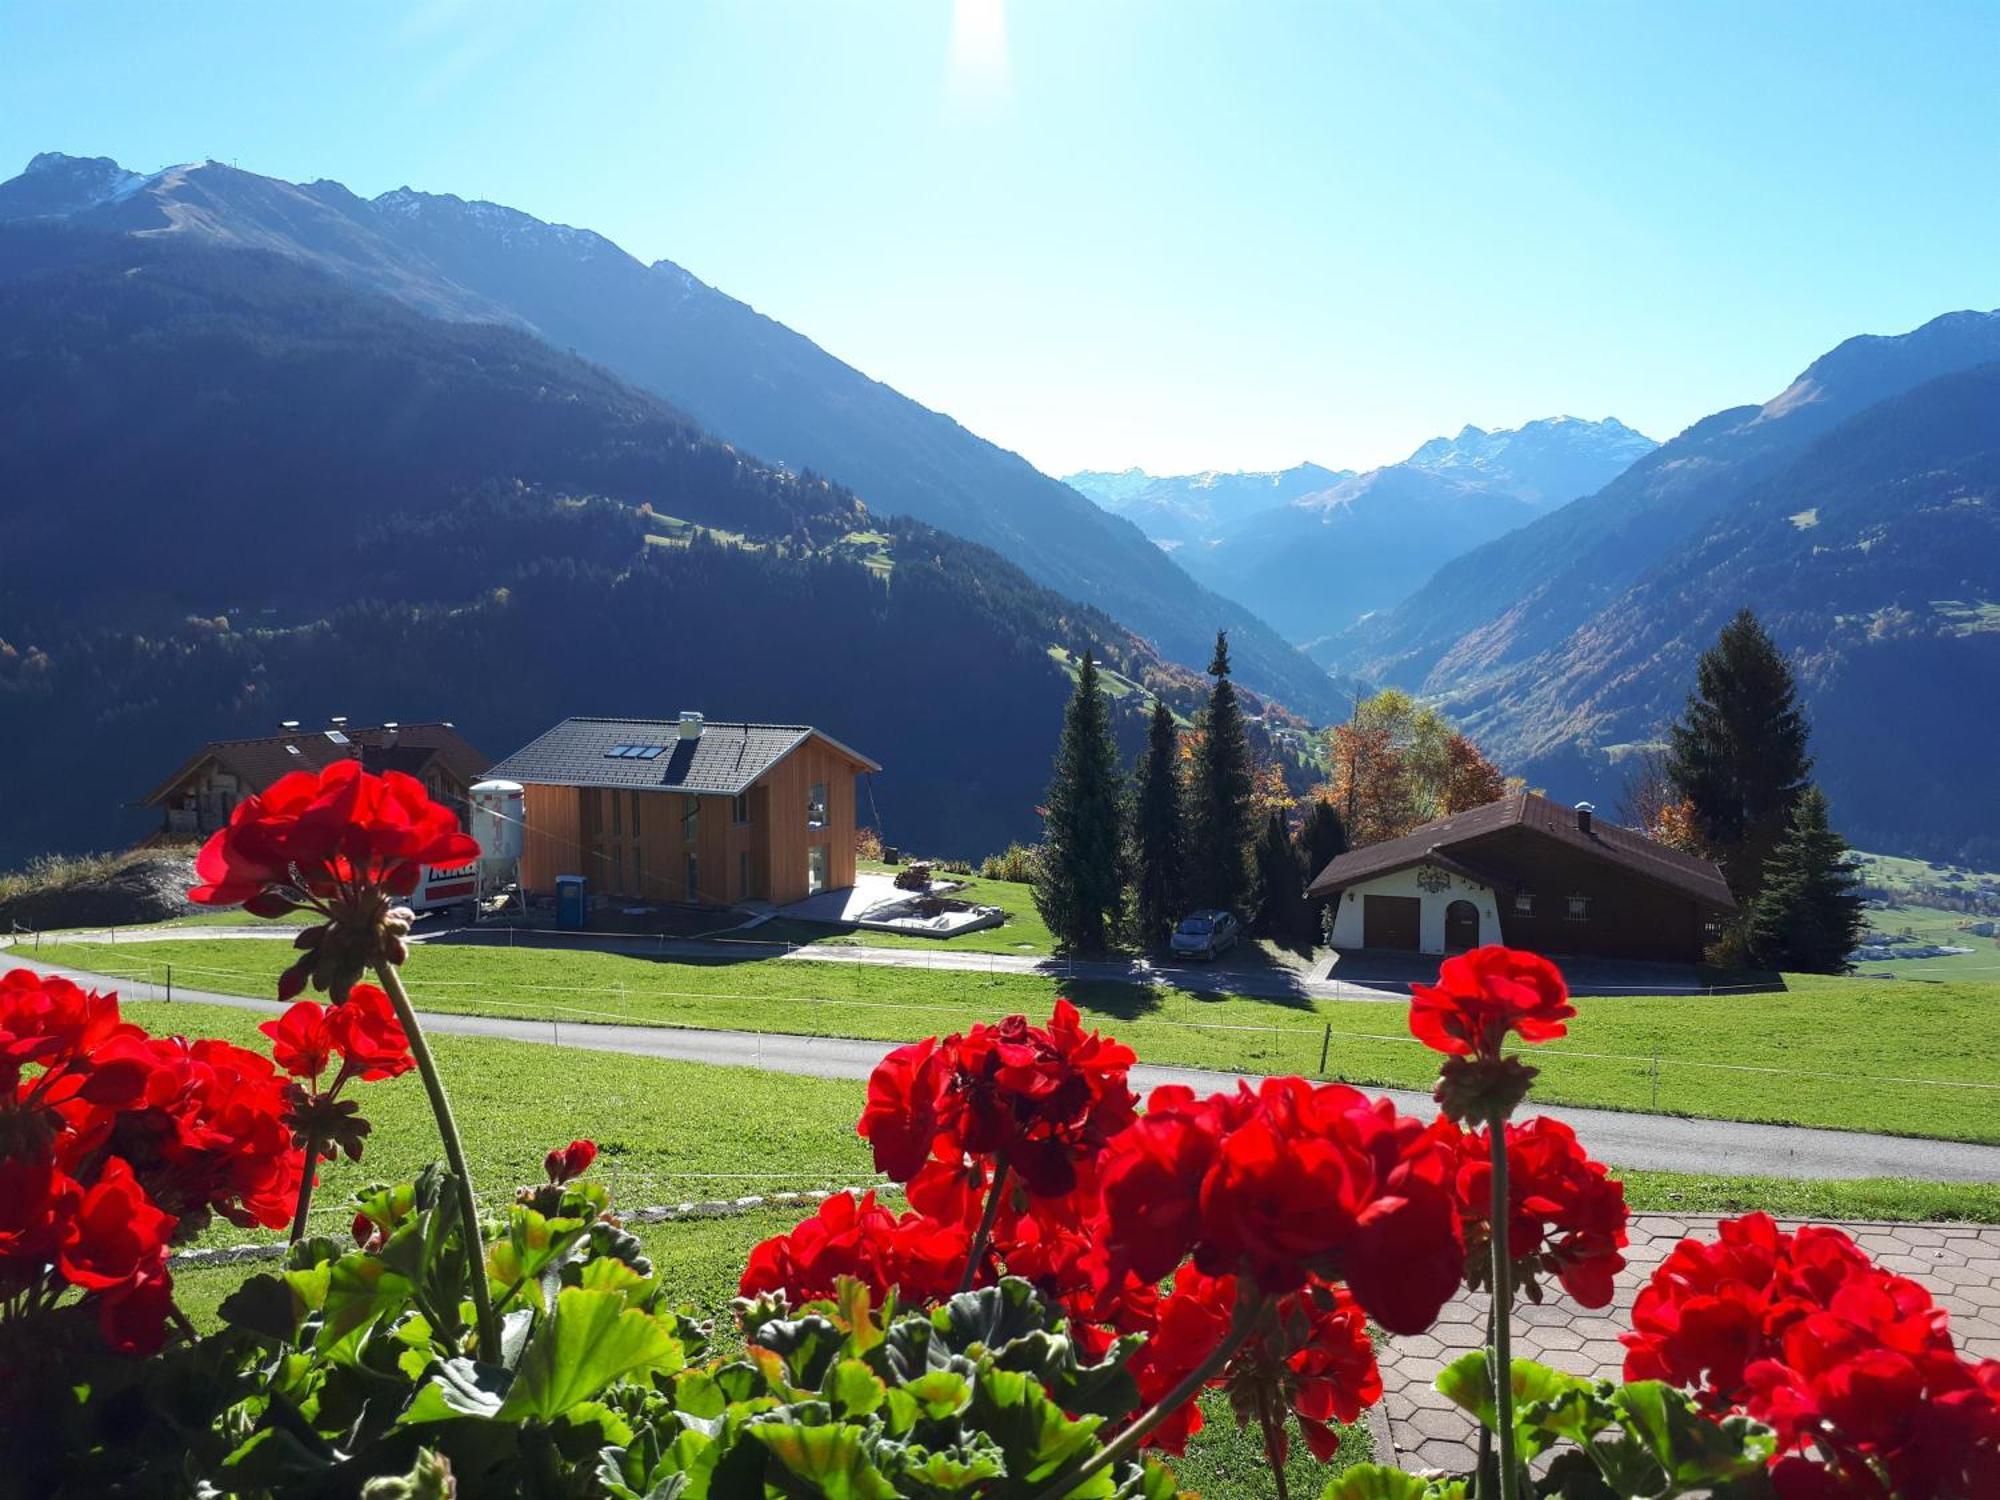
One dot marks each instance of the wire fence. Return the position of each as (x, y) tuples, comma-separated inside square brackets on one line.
[(1656, 1079)]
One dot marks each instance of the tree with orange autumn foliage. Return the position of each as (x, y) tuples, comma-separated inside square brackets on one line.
[(1397, 764)]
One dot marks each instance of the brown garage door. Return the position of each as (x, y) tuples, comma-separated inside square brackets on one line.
[(1391, 921)]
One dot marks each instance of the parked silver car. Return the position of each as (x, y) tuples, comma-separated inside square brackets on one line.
[(1205, 934)]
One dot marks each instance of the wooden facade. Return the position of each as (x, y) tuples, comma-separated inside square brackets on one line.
[(794, 826), (1530, 873)]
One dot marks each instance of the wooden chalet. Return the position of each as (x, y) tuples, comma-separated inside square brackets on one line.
[(198, 798), (688, 810), (1530, 873)]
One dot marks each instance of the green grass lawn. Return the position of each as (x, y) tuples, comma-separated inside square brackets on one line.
[(1845, 1053)]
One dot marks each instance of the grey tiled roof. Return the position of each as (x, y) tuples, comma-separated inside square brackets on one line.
[(725, 760)]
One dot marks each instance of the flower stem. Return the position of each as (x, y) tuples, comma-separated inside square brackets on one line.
[(1249, 1307), (984, 1234), (454, 1155), (1501, 1354), (305, 1190), (1273, 1425)]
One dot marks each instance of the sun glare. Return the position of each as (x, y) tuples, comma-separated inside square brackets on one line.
[(979, 47)]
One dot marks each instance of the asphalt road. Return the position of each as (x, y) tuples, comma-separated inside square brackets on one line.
[(1637, 1142)]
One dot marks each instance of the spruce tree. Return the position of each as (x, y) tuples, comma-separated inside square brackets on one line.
[(1281, 883), (1218, 825), (1078, 882), (1738, 754), (1158, 847), (1322, 837), (1808, 915)]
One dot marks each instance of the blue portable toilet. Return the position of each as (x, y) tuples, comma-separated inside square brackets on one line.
[(572, 902)]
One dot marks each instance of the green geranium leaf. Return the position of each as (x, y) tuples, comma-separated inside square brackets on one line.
[(1375, 1482), (937, 1394), (1578, 1413), (266, 1306), (807, 1345), (857, 1317), (591, 1340), (360, 1290), (853, 1389), (278, 1458), (992, 1317), (1465, 1382), (1689, 1448), (937, 1474), (460, 1388), (609, 1274), (533, 1245), (832, 1461), (1036, 1436)]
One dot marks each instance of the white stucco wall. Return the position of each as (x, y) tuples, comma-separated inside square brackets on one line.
[(1347, 924)]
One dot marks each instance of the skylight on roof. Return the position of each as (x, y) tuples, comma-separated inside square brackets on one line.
[(635, 752), (336, 736)]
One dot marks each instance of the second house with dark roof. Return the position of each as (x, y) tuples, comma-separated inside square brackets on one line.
[(688, 810), (1530, 873)]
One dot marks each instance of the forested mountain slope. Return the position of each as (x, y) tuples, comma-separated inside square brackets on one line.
[(744, 377), (239, 491)]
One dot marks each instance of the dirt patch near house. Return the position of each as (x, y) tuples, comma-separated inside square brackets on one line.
[(105, 891)]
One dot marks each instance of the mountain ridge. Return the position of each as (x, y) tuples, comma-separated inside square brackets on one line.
[(754, 382)]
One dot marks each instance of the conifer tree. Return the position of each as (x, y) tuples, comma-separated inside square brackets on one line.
[(1218, 823), (1281, 882), (1738, 753), (1322, 837), (1078, 881), (1158, 846), (1808, 916)]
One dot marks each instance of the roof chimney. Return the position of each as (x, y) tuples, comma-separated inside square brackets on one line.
[(290, 726), (1583, 815), (690, 724), (338, 721)]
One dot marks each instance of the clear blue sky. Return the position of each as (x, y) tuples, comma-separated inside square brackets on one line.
[(1178, 235)]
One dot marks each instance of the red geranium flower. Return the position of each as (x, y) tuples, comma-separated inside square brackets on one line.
[(1482, 995), (371, 1041), (328, 834), (1567, 1213), (567, 1162), (344, 842), (114, 1232), (1854, 1367), (1284, 1184), (1309, 1356), (301, 1042), (1040, 1099), (858, 1237)]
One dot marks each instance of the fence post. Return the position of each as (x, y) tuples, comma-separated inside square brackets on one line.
[(1325, 1046), (1656, 1080), (170, 984)]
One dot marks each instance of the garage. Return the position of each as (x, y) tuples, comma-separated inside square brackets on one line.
[(1391, 921)]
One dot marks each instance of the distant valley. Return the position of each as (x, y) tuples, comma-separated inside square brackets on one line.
[(1317, 549)]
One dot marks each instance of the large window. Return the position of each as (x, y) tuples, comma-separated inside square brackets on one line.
[(1579, 908), (816, 868), (744, 890), (739, 808), (690, 818), (635, 814), (694, 879), (1524, 903), (816, 806)]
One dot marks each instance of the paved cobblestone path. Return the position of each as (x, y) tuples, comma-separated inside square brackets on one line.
[(1959, 1263)]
